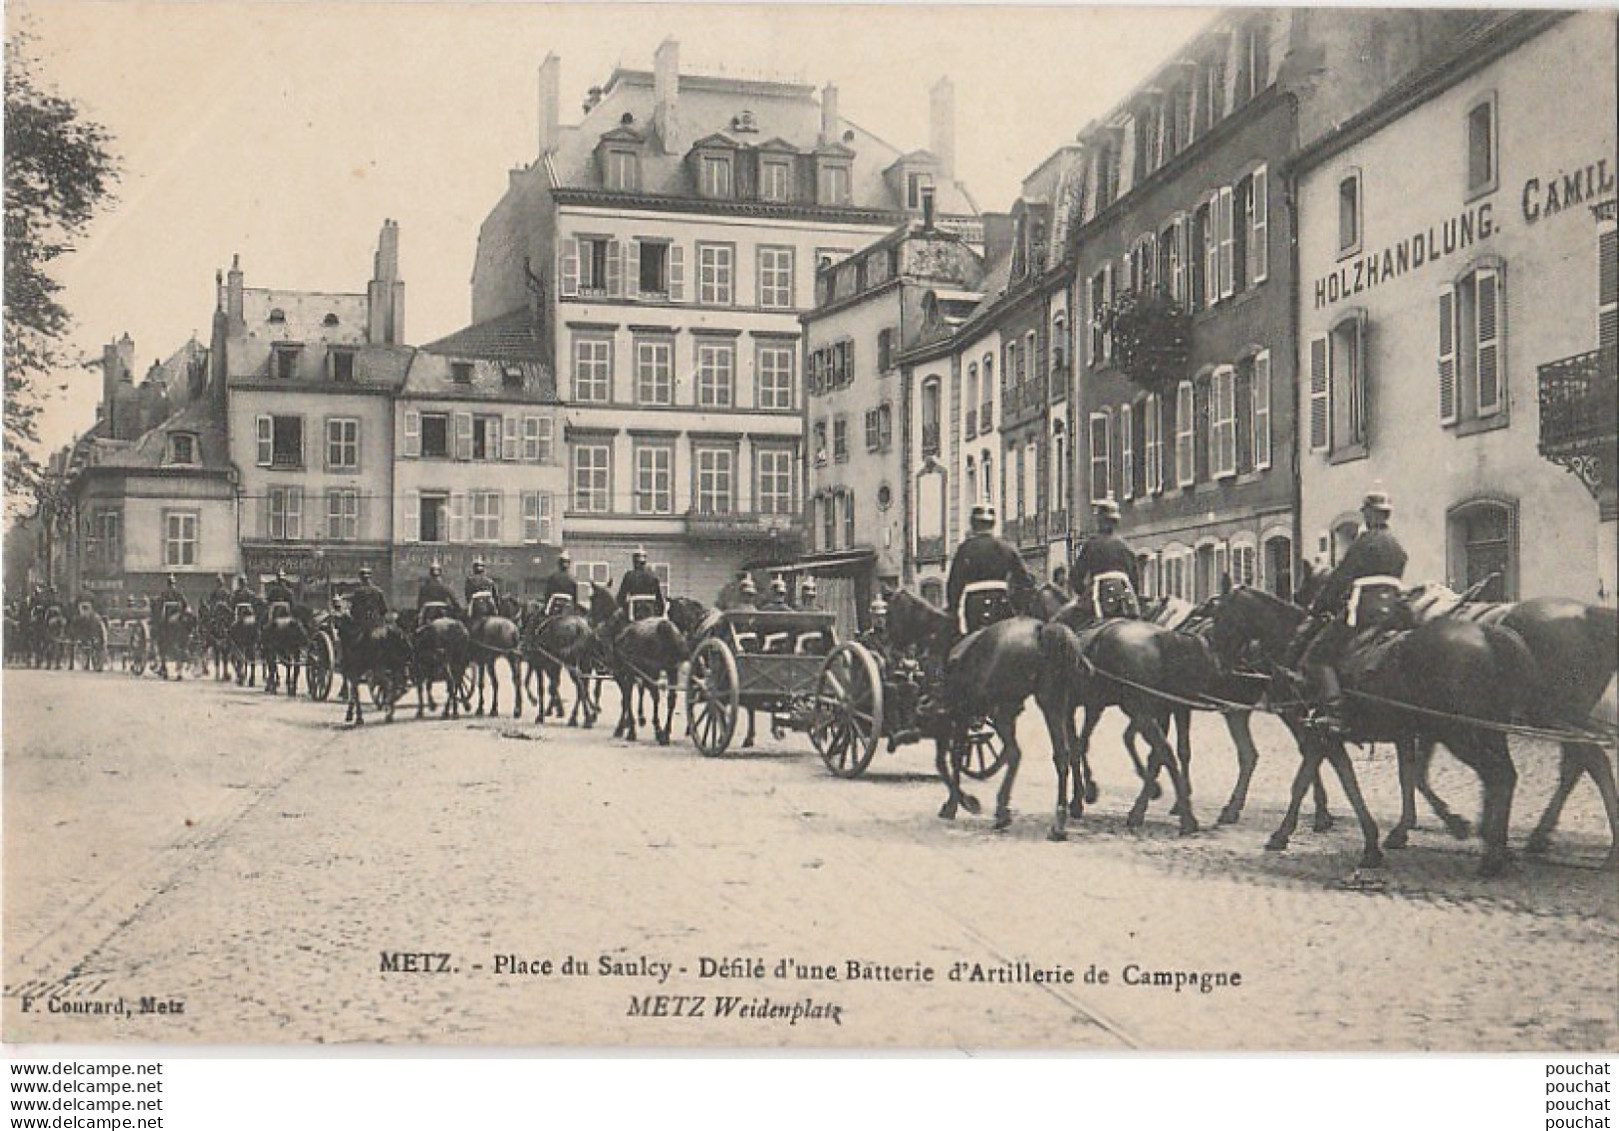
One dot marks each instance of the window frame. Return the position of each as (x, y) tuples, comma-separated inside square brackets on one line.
[(1477, 188), (712, 379), (651, 344), (583, 343), (1349, 243), (339, 446), (648, 497), (284, 511), (774, 500), (716, 280), (706, 478), (775, 280), (592, 498), (343, 514), (176, 539), (775, 382), (484, 528)]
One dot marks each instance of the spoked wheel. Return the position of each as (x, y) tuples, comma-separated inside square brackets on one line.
[(712, 697), (386, 689), (318, 664), (467, 685), (981, 751), (138, 645), (847, 722)]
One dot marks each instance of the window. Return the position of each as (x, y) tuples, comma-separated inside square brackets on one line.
[(1471, 379), (1482, 544), (538, 523), (776, 278), (182, 449), (284, 361), (593, 370), (1223, 439), (1244, 564), (1172, 260), (285, 514), (281, 441), (461, 372), (715, 175), (986, 411), (988, 463), (1101, 298), (715, 266), (915, 183), (623, 170), (716, 480), (539, 439), (487, 436), (1608, 284), (435, 435), (773, 364), (1127, 451), (1255, 228), (1029, 488), (1349, 214), (1481, 142), (775, 490), (485, 516), (880, 428), (1253, 73), (106, 538), (840, 440), (343, 515), (433, 516), (1224, 245), (716, 374), (342, 444), (832, 184), (1152, 443), (820, 443), (1059, 343), (1211, 92), (342, 362), (597, 261), (1279, 565), (654, 371), (972, 400), (969, 491), (180, 534), (1338, 388), (775, 180), (1185, 435), (1101, 435), (848, 519), (652, 267), (1261, 410), (592, 464), (654, 479)]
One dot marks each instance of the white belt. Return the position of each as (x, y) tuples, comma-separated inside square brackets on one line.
[(977, 587), (1361, 584), (1096, 587)]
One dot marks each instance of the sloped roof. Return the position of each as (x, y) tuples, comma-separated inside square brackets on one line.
[(514, 336), (151, 449), (511, 341)]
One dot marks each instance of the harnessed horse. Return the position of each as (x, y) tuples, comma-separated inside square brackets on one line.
[(440, 649), (645, 654), (491, 637), (172, 627), (282, 641), (87, 631), (561, 637)]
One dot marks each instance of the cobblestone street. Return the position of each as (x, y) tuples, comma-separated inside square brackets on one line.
[(198, 862)]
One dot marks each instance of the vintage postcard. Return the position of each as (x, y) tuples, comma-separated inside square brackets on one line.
[(649, 527)]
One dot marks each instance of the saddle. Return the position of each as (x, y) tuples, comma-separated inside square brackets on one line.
[(1112, 595), (560, 604), (641, 608), (983, 603), (432, 611)]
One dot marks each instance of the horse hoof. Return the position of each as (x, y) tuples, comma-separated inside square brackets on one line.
[(1189, 826), (479, 712), (1003, 821), (1539, 844), (1056, 836), (1371, 858), (1458, 827), (1397, 839), (1276, 843), (1229, 816), (1076, 810), (947, 812), (663, 740), (1324, 822), (1494, 865), (1134, 820), (1091, 793)]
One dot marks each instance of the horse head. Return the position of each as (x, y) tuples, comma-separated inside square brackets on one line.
[(912, 621), (686, 614), (1248, 617)]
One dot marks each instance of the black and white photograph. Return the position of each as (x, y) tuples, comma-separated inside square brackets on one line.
[(721, 528)]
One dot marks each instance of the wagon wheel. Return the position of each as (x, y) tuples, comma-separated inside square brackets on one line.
[(318, 664), (981, 751), (137, 648), (467, 684), (847, 719), (712, 697)]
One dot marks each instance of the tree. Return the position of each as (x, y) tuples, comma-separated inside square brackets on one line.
[(1152, 338), (59, 172)]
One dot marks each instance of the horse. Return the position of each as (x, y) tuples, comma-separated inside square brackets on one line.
[(565, 641), (214, 628), (1461, 681), (644, 653), (440, 647), (242, 641), (49, 635), (172, 628), (1573, 644), (379, 655), (492, 636), (87, 632), (282, 641), (990, 674)]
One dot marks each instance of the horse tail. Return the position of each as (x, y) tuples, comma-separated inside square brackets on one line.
[(1062, 661)]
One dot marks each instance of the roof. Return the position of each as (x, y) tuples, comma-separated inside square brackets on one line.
[(151, 450), (509, 342)]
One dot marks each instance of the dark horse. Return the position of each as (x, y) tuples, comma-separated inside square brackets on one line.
[(491, 637), (565, 642), (172, 628), (1462, 679), (1574, 645), (440, 648), (645, 653), (379, 655), (88, 633), (282, 640), (990, 674)]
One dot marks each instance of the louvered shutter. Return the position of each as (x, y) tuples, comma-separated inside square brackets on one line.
[(546, 534), (265, 433), (615, 268), (463, 435), (412, 524), (1320, 394), (413, 433), (1224, 438), (458, 516), (569, 269), (1152, 441), (295, 513), (1259, 234), (531, 516), (632, 269), (509, 440), (1447, 356), (1262, 410), (1185, 465), (1099, 456), (677, 273), (1211, 252), (1489, 342), (1126, 278), (1127, 452), (1228, 244), (1108, 295), (1608, 285)]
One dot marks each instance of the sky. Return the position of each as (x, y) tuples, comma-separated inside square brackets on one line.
[(287, 132)]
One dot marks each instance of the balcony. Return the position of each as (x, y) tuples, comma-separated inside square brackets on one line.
[(1579, 406), (744, 526)]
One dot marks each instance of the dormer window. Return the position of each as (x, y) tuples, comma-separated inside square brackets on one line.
[(277, 315), (183, 449), (284, 360), (623, 173), (461, 372), (776, 179), (833, 183), (744, 123), (714, 175), (915, 184), (329, 320), (342, 363), (511, 376)]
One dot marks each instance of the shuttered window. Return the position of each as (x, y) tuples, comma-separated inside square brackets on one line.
[(1261, 410), (1259, 227), (1447, 356), (1100, 434), (1487, 371), (1185, 465), (1127, 452), (1608, 285), (1154, 443), (1223, 438), (1320, 392)]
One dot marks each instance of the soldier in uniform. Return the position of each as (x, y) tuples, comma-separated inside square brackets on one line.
[(777, 601), (983, 556), (368, 605), (809, 596), (562, 581), (1105, 571), (242, 594), (731, 592), (1360, 594), (747, 594), (479, 581), (643, 583), (220, 594), (172, 600), (434, 591), (279, 589)]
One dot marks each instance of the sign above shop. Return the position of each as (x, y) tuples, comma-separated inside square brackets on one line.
[(1363, 272), (1543, 199)]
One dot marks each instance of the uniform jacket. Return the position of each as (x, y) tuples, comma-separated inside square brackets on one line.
[(1104, 553), (435, 590), (983, 556), (1374, 553), (639, 583)]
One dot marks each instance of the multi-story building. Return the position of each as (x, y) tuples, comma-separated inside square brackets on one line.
[(1184, 278), (874, 436), (478, 472), (672, 237), (1459, 312), (310, 379)]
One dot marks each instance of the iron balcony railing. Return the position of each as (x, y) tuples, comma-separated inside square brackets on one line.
[(1579, 402)]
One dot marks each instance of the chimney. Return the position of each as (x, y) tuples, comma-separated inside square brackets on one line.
[(666, 95), (1000, 233), (550, 102), (829, 115), (234, 309), (110, 369), (942, 126), (385, 297)]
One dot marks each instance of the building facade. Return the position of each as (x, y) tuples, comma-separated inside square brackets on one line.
[(479, 472), (671, 239), (310, 378), (1459, 313)]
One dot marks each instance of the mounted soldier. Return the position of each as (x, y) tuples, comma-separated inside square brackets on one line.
[(1105, 571), (172, 601), (479, 581), (433, 591), (368, 605), (220, 594), (640, 593), (983, 575), (1361, 594), (279, 589), (561, 588)]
